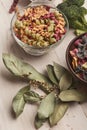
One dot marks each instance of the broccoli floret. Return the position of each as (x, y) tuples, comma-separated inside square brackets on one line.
[(72, 12), (79, 32), (75, 13), (76, 24), (76, 2), (82, 13), (63, 6), (82, 10)]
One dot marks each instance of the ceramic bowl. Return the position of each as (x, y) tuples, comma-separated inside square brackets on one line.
[(69, 58)]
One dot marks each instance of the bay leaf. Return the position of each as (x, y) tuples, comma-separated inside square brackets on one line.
[(73, 95), (58, 70), (22, 69), (50, 71), (18, 102), (32, 97), (65, 81), (38, 122), (47, 106), (59, 111), (75, 84)]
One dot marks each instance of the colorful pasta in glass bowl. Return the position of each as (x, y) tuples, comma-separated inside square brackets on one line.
[(39, 27)]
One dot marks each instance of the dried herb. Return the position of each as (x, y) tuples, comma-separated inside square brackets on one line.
[(58, 70), (47, 106), (65, 81), (25, 70), (43, 86), (18, 102), (32, 97), (38, 122), (59, 111), (75, 84), (54, 105), (22, 69), (50, 71), (73, 95)]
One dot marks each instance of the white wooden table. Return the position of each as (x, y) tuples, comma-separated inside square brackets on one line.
[(74, 119)]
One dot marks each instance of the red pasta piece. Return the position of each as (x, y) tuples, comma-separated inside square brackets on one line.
[(13, 6)]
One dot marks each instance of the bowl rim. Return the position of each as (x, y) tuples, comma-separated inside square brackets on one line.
[(34, 47), (67, 57)]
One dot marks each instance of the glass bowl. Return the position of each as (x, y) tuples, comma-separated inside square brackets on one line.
[(33, 50), (69, 59)]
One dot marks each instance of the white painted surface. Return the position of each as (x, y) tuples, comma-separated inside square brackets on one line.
[(74, 119)]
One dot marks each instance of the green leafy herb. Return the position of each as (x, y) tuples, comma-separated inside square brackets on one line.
[(18, 102), (52, 106), (73, 95), (65, 81), (51, 74), (38, 122), (58, 70), (59, 111), (32, 97), (47, 106), (22, 69)]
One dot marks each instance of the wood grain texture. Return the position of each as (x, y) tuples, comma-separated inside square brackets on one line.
[(74, 119)]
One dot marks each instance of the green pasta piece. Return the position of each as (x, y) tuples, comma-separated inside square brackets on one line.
[(42, 21), (37, 36), (18, 24), (52, 40), (38, 21)]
